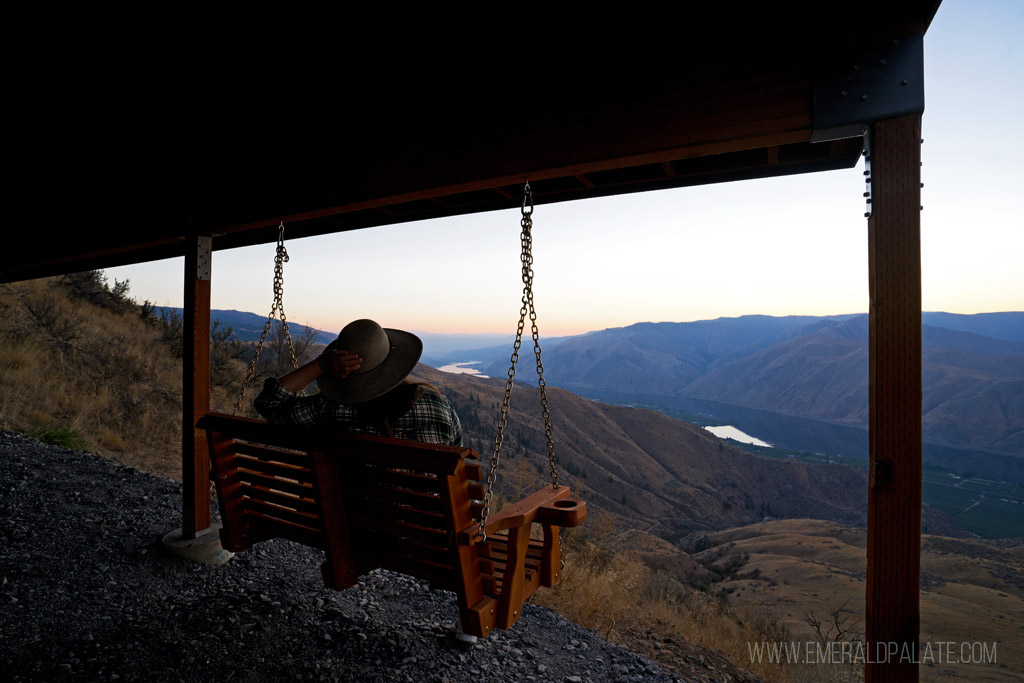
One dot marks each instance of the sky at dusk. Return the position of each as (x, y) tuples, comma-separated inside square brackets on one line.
[(793, 245)]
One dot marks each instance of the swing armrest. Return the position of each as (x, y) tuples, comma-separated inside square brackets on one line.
[(552, 508), (550, 505)]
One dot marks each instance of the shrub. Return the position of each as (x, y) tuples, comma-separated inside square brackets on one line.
[(92, 286), (63, 437)]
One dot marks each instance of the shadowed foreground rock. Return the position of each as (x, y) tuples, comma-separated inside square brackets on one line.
[(88, 595)]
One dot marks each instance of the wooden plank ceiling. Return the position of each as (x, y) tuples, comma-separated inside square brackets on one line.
[(440, 133)]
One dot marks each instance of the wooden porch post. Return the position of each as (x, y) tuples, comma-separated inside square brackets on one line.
[(894, 494), (195, 457)]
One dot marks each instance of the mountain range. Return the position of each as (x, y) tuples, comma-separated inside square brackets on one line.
[(802, 382), (249, 326)]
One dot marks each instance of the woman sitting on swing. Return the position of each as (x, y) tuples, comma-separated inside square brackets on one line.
[(364, 389)]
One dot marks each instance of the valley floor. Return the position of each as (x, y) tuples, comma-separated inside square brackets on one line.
[(972, 591)]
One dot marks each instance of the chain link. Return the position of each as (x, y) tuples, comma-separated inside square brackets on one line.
[(280, 258), (526, 310)]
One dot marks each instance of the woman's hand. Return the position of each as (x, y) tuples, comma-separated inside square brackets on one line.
[(334, 362), (339, 363)]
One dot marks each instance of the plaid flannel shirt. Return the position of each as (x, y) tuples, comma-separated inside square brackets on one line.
[(432, 419)]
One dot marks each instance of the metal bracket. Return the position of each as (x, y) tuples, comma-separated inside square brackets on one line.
[(882, 81), (204, 259), (869, 186)]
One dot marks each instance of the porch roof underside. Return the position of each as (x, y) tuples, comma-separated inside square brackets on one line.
[(130, 183)]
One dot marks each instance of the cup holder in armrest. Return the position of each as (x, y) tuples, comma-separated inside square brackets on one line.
[(567, 512)]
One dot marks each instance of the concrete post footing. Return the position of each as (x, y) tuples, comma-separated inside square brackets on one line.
[(205, 548)]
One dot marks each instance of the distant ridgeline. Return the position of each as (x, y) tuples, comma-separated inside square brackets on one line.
[(438, 349), (249, 326), (801, 382)]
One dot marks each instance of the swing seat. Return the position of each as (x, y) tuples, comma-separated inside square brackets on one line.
[(370, 502)]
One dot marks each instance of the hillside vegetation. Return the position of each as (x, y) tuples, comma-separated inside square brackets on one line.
[(86, 366), (649, 471), (83, 368)]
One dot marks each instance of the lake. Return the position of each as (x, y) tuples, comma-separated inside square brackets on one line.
[(462, 369), (730, 432)]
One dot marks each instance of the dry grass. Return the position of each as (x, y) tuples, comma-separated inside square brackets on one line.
[(651, 612), (103, 377)]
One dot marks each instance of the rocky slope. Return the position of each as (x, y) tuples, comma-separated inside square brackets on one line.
[(88, 595)]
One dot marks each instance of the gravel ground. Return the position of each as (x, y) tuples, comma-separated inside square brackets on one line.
[(88, 594)]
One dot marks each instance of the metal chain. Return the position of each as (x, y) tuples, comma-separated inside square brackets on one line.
[(280, 258), (527, 223), (527, 308)]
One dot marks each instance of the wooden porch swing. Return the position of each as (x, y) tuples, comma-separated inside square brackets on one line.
[(371, 502)]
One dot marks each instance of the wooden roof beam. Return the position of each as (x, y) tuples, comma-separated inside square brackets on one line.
[(584, 181)]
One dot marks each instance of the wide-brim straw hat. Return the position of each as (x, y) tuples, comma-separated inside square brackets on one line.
[(388, 358)]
